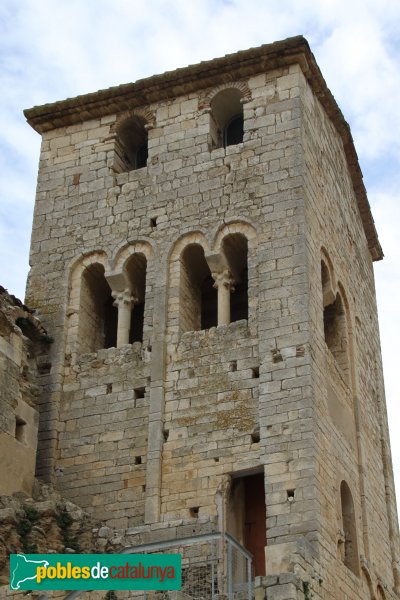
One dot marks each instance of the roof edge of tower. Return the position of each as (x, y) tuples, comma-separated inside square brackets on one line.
[(208, 74)]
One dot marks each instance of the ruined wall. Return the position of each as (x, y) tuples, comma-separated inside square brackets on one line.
[(20, 357)]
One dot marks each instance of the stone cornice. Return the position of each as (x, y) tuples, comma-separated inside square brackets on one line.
[(208, 74)]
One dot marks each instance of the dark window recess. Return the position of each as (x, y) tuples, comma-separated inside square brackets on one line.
[(335, 331), (139, 393), (239, 300), (226, 119), (255, 373), (233, 133), (110, 323), (235, 250), (136, 270), (141, 156), (131, 146), (194, 511), (138, 460), (209, 304), (97, 313), (137, 316)]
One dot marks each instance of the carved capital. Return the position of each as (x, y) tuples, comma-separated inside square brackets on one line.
[(126, 298), (224, 279)]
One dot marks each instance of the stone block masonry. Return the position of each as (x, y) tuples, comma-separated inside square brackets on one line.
[(202, 253)]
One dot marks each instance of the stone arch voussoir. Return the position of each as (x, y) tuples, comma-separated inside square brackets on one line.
[(245, 92), (144, 114), (236, 226), (194, 237), (77, 266), (127, 250)]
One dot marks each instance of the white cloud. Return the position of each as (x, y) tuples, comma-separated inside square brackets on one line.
[(387, 217)]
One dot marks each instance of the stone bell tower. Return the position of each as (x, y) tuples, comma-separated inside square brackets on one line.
[(202, 253)]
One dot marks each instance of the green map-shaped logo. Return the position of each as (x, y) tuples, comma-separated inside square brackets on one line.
[(22, 569)]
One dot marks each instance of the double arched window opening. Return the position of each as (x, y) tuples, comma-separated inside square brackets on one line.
[(210, 288), (214, 288), (112, 317)]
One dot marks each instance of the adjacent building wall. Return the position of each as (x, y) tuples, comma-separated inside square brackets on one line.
[(18, 393)]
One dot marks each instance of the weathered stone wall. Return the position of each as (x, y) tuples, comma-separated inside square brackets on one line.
[(210, 414), (103, 442), (20, 356), (45, 524), (258, 395), (350, 417)]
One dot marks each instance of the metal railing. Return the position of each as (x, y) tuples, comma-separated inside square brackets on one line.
[(214, 567)]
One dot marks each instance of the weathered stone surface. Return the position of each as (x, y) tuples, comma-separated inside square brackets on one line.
[(153, 417)]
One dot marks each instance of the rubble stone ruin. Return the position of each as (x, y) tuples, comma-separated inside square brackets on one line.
[(203, 366)]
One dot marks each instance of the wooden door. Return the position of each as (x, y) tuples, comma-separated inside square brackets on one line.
[(255, 520)]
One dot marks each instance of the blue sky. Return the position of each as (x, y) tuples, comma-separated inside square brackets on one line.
[(54, 49)]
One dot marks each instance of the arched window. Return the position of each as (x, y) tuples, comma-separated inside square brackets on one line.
[(131, 150), (234, 248), (198, 297), (97, 315), (226, 123), (350, 550), (335, 331), (136, 271), (335, 322)]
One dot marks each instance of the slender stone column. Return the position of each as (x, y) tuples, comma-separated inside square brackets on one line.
[(124, 301), (224, 284)]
